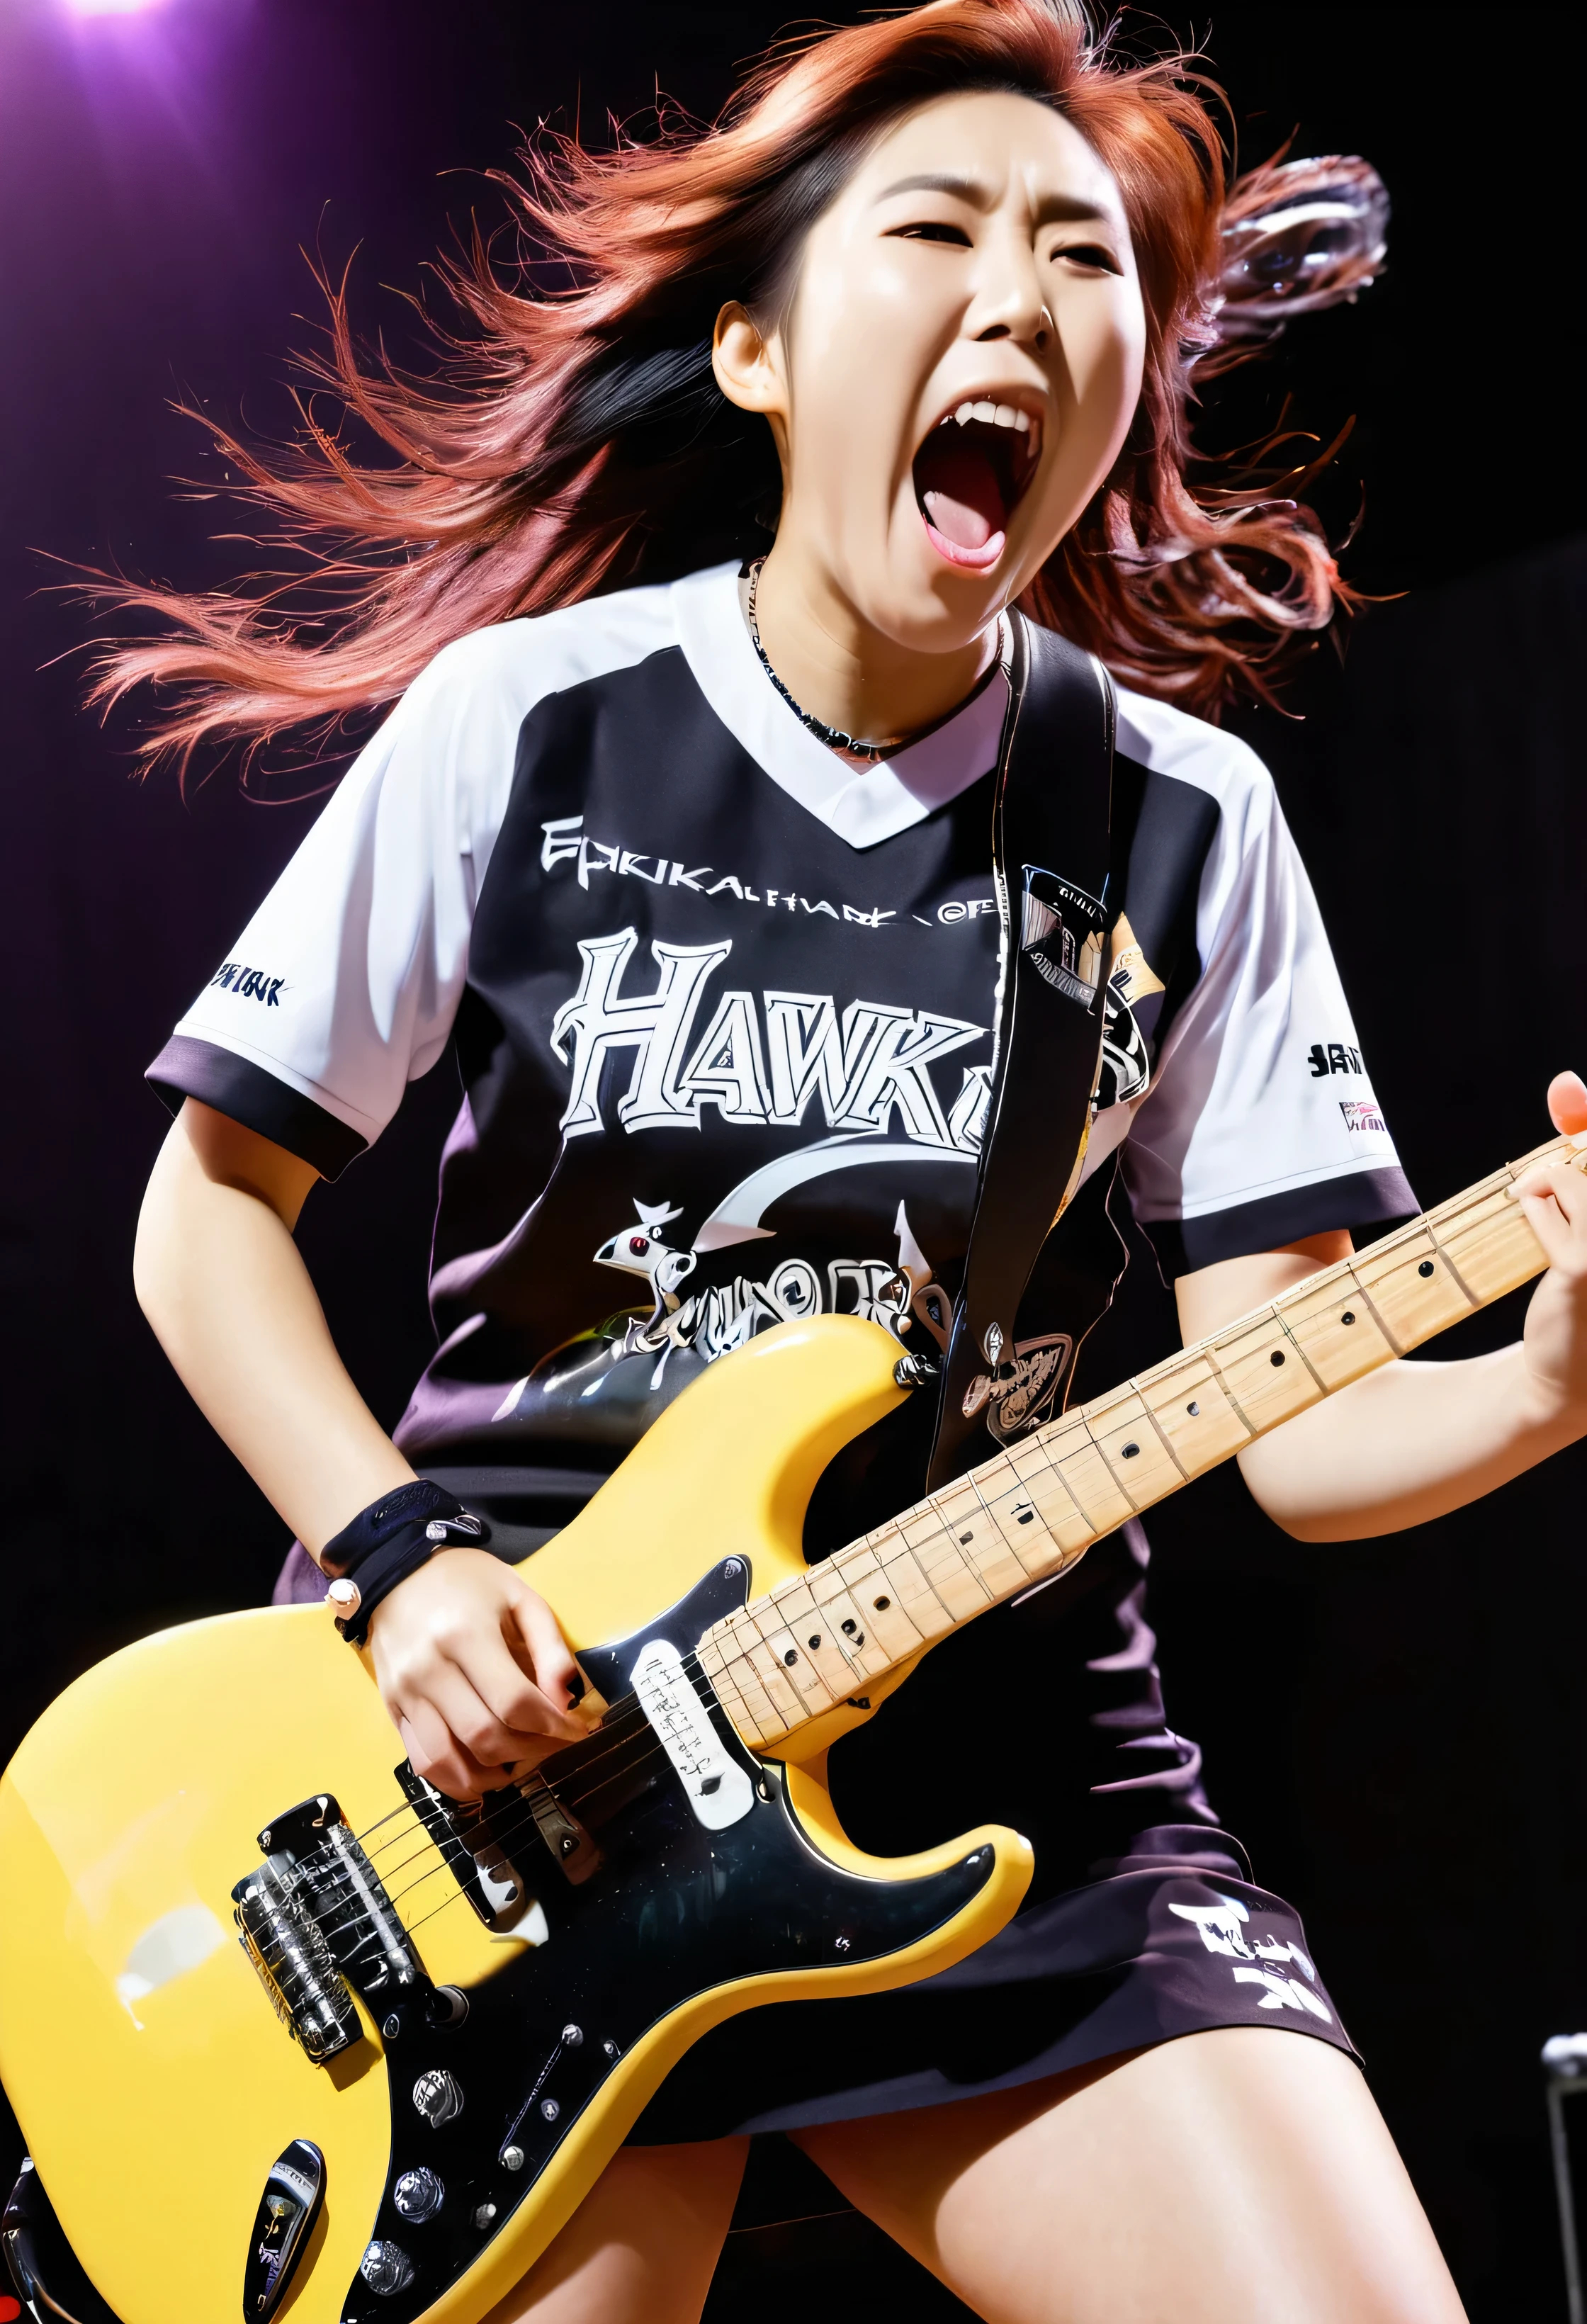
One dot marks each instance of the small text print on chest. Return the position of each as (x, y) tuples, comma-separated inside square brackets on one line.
[(249, 983), (566, 842)]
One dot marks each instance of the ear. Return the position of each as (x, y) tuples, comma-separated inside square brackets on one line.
[(746, 363)]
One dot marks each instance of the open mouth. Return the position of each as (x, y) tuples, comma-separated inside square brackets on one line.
[(970, 473)]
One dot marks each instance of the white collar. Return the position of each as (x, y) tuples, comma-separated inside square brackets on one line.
[(865, 804)]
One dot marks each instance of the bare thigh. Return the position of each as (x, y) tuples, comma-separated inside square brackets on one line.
[(1236, 2177), (641, 2246)]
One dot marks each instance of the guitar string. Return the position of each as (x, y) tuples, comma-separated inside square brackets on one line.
[(1442, 1214), (624, 1722), (626, 1704), (403, 1807), (341, 1922), (507, 1835), (516, 1827), (691, 1669), (618, 1720), (519, 1826), (620, 1712), (618, 1730)]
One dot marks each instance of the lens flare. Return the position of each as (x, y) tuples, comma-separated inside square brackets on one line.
[(112, 7)]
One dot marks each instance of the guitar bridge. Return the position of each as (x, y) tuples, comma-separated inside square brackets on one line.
[(318, 1926)]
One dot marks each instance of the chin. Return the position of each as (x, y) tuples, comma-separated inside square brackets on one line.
[(933, 606)]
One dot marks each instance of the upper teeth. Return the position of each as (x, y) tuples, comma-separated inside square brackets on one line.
[(994, 415)]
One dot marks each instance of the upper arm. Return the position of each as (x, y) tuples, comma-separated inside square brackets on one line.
[(204, 1149), (228, 1154), (346, 984), (1259, 1128), (1214, 1296)]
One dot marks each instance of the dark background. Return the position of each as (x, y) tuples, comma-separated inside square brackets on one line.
[(1395, 1727)]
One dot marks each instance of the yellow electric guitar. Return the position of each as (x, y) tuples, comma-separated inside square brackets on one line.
[(440, 2023)]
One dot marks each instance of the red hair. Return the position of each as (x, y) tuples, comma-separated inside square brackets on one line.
[(573, 438)]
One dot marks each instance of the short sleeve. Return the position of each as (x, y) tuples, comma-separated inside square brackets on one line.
[(1260, 1126), (344, 985)]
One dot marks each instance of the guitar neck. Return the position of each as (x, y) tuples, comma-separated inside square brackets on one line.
[(830, 1637)]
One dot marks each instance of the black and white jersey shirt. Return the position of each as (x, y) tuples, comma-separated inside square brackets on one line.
[(722, 1007)]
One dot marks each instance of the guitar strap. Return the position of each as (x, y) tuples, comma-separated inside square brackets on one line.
[(1051, 833)]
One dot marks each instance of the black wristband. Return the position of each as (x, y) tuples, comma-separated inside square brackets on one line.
[(419, 1504), (391, 1539)]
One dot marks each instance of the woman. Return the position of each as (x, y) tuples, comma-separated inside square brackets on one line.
[(695, 873)]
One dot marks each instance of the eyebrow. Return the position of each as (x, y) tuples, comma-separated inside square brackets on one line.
[(1066, 208)]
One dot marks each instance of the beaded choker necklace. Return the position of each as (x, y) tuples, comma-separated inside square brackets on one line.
[(833, 736)]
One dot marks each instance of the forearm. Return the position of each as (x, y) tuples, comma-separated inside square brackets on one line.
[(221, 1281), (1407, 1444)]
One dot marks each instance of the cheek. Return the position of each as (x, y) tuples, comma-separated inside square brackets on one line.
[(1105, 354), (856, 358)]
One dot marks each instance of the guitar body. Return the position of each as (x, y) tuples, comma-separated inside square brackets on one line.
[(157, 2086)]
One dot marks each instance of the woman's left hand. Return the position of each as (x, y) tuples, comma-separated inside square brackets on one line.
[(1556, 1202)]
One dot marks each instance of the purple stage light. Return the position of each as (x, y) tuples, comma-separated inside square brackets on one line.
[(111, 7)]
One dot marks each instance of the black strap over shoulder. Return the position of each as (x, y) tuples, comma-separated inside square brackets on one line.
[(1051, 836)]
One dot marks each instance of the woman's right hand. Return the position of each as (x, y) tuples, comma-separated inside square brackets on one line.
[(476, 1674)]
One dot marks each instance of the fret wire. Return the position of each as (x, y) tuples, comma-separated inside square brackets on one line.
[(890, 1544), (1235, 1406), (1163, 1440), (1376, 1314), (1039, 1441), (1473, 1302)]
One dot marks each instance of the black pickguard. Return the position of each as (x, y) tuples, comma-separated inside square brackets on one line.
[(673, 1911)]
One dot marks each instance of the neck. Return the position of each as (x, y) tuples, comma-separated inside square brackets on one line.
[(828, 1641), (846, 672)]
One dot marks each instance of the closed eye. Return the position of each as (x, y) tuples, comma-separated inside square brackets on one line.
[(929, 230), (1090, 254)]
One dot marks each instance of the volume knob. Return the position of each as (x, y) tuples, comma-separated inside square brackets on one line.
[(438, 2096), (386, 2268), (419, 2194)]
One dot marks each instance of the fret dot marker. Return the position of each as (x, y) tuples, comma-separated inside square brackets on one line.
[(965, 1538), (791, 1656), (883, 1604), (1025, 1516), (815, 1642), (1130, 1451), (1425, 1268), (849, 1628), (1278, 1356), (1348, 1316), (1194, 1410)]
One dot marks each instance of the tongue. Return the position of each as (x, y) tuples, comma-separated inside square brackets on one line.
[(958, 488)]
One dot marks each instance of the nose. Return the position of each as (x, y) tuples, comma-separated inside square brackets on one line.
[(1008, 303)]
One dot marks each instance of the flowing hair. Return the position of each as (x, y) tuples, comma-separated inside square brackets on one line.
[(571, 437)]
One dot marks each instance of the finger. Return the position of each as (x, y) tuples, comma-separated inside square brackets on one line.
[(1553, 1231), (511, 1693), (436, 1755), (1557, 1183), (557, 1674), (1567, 1103), (473, 1725)]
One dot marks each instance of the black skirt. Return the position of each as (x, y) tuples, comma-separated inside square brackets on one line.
[(1142, 1921)]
